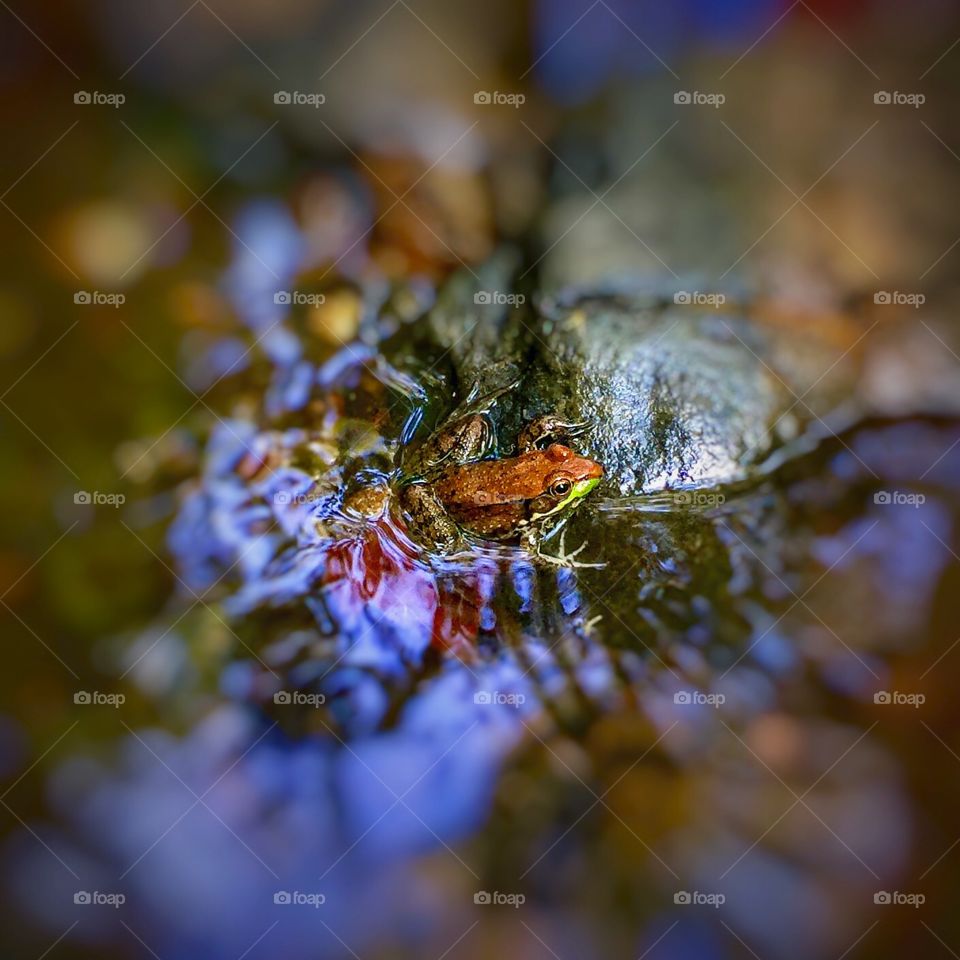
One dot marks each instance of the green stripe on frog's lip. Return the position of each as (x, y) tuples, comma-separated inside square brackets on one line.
[(580, 489)]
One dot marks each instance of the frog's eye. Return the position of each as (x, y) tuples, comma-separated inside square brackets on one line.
[(560, 487)]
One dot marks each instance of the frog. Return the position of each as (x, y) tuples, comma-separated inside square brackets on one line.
[(458, 488)]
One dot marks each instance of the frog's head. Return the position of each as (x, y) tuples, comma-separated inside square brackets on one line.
[(566, 478)]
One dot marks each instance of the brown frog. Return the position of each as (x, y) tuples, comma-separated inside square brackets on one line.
[(454, 490)]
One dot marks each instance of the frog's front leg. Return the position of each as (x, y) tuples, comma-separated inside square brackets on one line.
[(427, 515), (568, 559), (546, 428), (466, 439)]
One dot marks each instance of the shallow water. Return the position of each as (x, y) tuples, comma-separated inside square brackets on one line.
[(327, 709)]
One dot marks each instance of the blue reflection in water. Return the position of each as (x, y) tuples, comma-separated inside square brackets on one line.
[(275, 815)]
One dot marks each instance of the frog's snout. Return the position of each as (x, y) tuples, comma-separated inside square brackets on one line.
[(586, 469)]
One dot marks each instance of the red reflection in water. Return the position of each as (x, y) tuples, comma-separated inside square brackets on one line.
[(380, 573)]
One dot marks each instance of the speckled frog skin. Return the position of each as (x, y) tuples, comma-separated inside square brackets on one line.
[(452, 484)]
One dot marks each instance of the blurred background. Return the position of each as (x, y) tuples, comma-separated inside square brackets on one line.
[(179, 180)]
